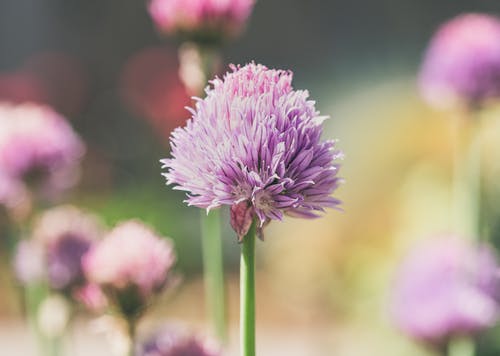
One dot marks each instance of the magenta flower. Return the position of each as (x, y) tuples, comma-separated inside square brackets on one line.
[(66, 234), (462, 63), (446, 287), (254, 144), (201, 19), (38, 146), (132, 263), (171, 342)]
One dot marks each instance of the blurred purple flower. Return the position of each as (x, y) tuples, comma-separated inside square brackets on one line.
[(172, 342), (201, 19), (446, 287), (66, 233), (254, 144), (462, 63), (132, 262), (37, 145)]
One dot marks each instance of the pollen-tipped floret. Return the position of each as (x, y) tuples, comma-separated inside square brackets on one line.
[(254, 144)]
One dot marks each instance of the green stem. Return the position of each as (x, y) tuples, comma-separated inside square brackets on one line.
[(467, 191), (209, 57), (475, 173), (131, 334), (461, 347), (34, 296), (247, 294), (214, 271), (54, 346)]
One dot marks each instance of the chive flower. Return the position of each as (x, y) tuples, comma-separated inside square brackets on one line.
[(446, 287), (254, 144), (201, 20), (131, 264), (38, 147), (462, 63), (66, 234)]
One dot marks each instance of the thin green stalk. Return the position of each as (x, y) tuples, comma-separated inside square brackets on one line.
[(54, 346), (131, 334), (247, 294), (467, 191), (214, 271), (34, 295), (205, 59), (474, 183), (461, 347), (213, 261)]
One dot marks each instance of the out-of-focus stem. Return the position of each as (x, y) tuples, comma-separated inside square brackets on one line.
[(214, 271), (467, 190), (247, 294), (197, 66), (461, 347), (131, 334)]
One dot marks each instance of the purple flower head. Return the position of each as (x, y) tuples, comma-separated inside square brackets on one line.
[(201, 20), (462, 63), (171, 342), (37, 145), (132, 262), (254, 144), (66, 233), (446, 287)]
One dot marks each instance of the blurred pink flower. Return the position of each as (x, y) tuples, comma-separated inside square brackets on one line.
[(462, 63), (19, 87), (131, 257), (201, 19), (446, 287), (151, 88), (92, 297), (38, 146), (66, 233)]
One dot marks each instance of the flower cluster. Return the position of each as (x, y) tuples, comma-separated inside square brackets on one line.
[(254, 143), (131, 263), (38, 148), (61, 237), (446, 287), (203, 20), (462, 63)]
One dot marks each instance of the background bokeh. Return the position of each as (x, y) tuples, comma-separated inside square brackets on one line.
[(324, 284)]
